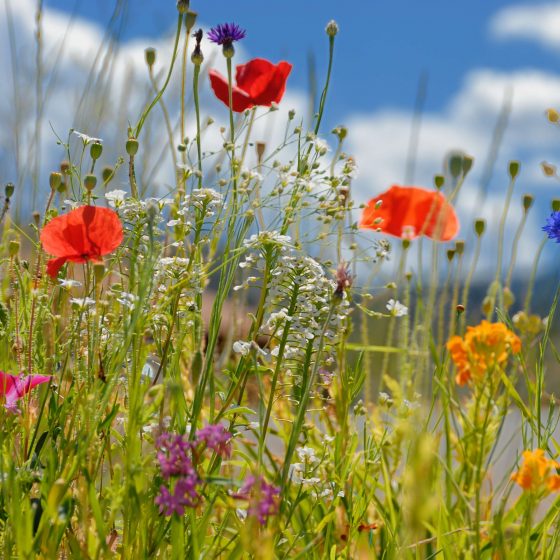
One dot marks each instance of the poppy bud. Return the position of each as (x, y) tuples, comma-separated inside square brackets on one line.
[(90, 181), (132, 146), (190, 20), (479, 226), (556, 205), (459, 247), (450, 254), (467, 164), (332, 28), (65, 168), (183, 6), (405, 244), (181, 148), (95, 151), (439, 180), (107, 174), (456, 165), (509, 298), (98, 271), (55, 180), (197, 58), (548, 169), (291, 114), (36, 218), (552, 115), (150, 56), (527, 201), (460, 309), (13, 248), (260, 147), (513, 169), (9, 190)]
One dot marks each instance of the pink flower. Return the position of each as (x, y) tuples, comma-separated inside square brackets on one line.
[(14, 387)]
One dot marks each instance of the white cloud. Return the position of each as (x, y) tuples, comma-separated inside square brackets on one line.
[(535, 22)]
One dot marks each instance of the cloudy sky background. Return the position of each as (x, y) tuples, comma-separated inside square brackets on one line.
[(474, 58)]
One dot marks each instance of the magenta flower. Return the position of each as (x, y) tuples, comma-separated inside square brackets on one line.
[(185, 495), (14, 387), (217, 438), (263, 498), (173, 455)]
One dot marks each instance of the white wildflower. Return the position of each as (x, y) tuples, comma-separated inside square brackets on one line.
[(396, 308)]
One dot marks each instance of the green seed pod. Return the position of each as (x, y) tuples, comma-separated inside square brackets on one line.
[(439, 181), (405, 244), (527, 201), (13, 248), (90, 181), (183, 6), (459, 247), (467, 164), (450, 254), (132, 146), (514, 169), (556, 205), (107, 174), (479, 226), (150, 56), (509, 298), (190, 20), (55, 180), (9, 190), (95, 151), (456, 165)]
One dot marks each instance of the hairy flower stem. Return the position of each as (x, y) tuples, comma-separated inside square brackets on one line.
[(198, 128), (468, 282), (531, 284), (232, 136)]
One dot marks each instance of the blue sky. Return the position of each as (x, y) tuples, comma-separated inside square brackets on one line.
[(382, 49)]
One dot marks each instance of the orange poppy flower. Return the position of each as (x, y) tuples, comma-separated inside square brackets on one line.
[(537, 472), (408, 212), (84, 234), (259, 82)]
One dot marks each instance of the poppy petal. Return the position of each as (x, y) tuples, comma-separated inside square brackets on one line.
[(410, 212), (14, 387), (54, 265), (263, 81), (240, 99)]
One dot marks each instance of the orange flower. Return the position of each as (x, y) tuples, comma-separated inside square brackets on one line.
[(409, 212), (535, 472), (484, 347)]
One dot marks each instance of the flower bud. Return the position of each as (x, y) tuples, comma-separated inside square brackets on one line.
[(132, 146), (150, 56), (183, 6), (459, 247), (260, 148), (291, 114), (439, 181), (456, 165), (36, 218), (332, 28), (527, 201), (9, 190), (467, 164), (90, 181), (487, 305), (450, 254), (190, 20), (55, 180), (548, 169), (13, 248), (552, 115), (405, 244), (65, 168), (509, 298), (479, 226), (341, 132), (513, 169), (96, 150), (460, 309), (107, 174)]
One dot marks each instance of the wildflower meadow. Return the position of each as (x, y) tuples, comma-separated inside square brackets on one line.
[(249, 363)]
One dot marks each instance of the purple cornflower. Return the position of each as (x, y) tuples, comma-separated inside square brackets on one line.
[(226, 34), (173, 456), (217, 438), (184, 495), (263, 498), (552, 226)]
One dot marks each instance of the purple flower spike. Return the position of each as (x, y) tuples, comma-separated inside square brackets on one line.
[(217, 438), (552, 227), (172, 455), (226, 34), (263, 498)]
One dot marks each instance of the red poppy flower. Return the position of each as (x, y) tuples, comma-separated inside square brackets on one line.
[(408, 212), (84, 234), (259, 82), (14, 387)]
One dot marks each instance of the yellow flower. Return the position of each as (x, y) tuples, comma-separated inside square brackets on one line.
[(483, 348), (535, 472)]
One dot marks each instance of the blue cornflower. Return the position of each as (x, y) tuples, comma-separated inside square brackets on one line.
[(552, 227), (226, 34)]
